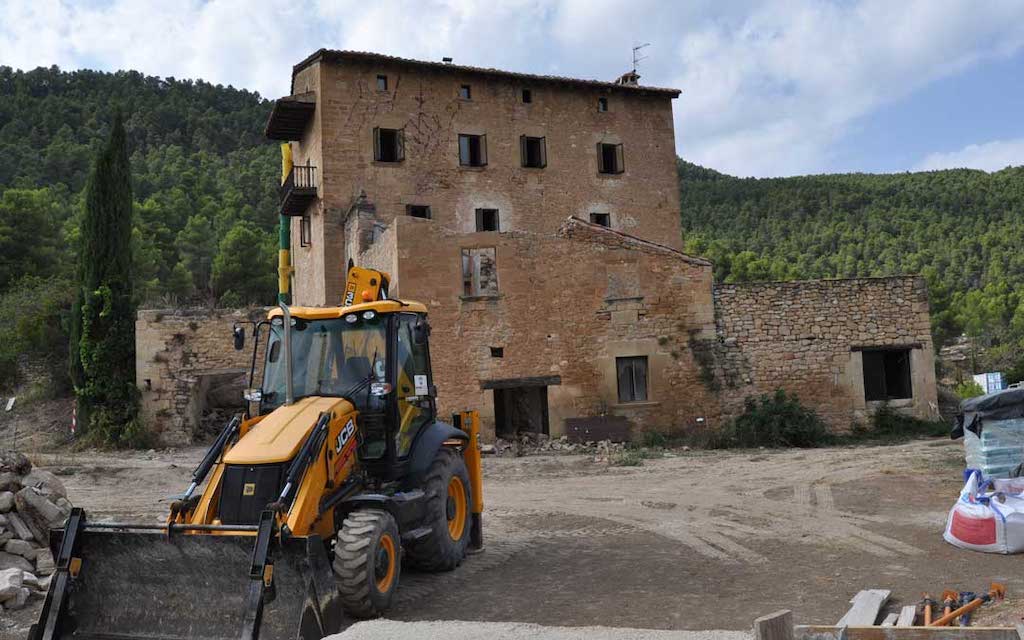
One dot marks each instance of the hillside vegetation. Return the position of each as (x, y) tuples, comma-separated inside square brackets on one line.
[(203, 182), (963, 230)]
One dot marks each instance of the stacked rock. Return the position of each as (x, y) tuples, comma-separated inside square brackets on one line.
[(32, 501)]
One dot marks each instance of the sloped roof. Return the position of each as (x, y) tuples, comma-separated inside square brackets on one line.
[(580, 229), (332, 55)]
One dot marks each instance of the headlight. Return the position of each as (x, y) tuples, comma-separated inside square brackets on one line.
[(369, 314), (351, 318)]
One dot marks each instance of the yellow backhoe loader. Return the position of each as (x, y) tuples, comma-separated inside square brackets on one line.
[(306, 507)]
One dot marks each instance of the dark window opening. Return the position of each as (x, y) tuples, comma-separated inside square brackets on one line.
[(382, 83), (497, 352), (465, 93), (487, 220), (610, 158), (472, 150), (533, 152), (388, 145), (887, 375), (603, 219), (305, 232), (602, 104), (527, 96), (418, 211), (632, 378)]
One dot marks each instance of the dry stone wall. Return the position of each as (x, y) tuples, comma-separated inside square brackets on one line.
[(808, 337), (183, 355)]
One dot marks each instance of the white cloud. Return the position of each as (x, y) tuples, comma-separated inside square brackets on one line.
[(770, 87), (989, 156)]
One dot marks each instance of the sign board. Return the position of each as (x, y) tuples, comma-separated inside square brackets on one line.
[(990, 382)]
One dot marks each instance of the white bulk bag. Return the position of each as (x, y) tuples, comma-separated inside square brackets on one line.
[(992, 522)]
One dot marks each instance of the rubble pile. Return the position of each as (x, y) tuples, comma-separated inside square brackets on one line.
[(32, 501), (538, 443)]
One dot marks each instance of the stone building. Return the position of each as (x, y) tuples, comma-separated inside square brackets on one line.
[(538, 218)]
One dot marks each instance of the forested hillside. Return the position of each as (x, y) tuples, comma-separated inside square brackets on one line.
[(204, 190), (203, 180), (962, 229)]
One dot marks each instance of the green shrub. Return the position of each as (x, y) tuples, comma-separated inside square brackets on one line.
[(626, 458), (33, 323), (968, 389), (887, 423), (774, 420)]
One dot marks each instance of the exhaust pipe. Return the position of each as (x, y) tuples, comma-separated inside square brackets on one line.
[(290, 390)]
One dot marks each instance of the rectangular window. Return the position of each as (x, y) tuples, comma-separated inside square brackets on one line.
[(610, 158), (533, 152), (479, 272), (472, 150), (382, 83), (465, 93), (527, 96), (487, 220), (602, 104), (305, 232), (632, 378), (887, 375), (388, 145), (497, 352), (603, 219), (418, 211)]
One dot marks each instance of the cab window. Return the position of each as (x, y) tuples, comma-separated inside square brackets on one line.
[(415, 402)]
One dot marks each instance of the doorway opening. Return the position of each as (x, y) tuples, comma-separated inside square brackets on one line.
[(520, 410)]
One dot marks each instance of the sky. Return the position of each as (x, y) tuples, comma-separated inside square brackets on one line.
[(769, 88)]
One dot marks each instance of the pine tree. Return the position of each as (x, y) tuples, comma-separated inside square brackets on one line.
[(103, 367)]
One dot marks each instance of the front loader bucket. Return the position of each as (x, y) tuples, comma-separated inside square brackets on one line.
[(202, 584)]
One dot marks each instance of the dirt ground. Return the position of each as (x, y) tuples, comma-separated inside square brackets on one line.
[(701, 540)]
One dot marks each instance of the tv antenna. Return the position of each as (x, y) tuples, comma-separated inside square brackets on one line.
[(636, 50)]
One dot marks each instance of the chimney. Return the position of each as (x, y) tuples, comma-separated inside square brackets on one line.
[(629, 79)]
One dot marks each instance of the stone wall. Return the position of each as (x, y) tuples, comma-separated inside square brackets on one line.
[(180, 356), (567, 305), (809, 337), (425, 103)]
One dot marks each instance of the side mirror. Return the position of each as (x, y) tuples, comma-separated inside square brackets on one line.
[(238, 333), (420, 332)]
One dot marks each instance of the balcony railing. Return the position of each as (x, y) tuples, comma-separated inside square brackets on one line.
[(298, 190)]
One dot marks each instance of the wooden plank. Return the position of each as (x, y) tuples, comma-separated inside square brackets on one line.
[(866, 605), (907, 615), (774, 626), (828, 632), (890, 620)]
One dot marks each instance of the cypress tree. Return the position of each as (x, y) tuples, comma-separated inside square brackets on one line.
[(103, 365)]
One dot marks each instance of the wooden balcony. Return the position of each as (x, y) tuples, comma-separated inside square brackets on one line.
[(290, 117), (298, 191)]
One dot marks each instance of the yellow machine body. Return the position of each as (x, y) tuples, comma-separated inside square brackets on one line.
[(370, 511)]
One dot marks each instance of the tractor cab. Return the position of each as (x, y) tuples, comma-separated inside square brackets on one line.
[(374, 355)]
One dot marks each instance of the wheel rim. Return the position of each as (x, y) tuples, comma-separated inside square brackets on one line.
[(456, 508), (384, 567)]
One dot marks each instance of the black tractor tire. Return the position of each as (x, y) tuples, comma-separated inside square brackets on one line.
[(367, 562), (448, 516)]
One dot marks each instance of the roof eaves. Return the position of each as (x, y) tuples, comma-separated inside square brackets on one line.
[(339, 55)]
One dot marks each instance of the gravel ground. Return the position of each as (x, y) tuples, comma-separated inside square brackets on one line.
[(445, 630), (700, 540)]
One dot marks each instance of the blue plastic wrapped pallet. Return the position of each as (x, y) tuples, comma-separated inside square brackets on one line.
[(992, 427)]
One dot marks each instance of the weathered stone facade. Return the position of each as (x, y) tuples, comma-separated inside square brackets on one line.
[(423, 101), (179, 356), (810, 338), (604, 295), (550, 316)]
